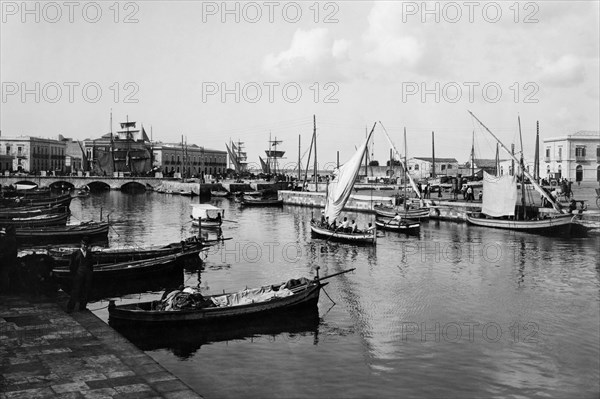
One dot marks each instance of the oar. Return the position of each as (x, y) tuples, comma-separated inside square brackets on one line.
[(334, 274), (331, 236)]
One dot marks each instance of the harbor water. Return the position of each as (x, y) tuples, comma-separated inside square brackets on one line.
[(457, 311)]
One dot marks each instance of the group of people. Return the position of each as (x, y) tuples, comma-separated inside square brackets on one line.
[(345, 226)]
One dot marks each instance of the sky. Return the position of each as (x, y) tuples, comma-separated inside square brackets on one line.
[(247, 71)]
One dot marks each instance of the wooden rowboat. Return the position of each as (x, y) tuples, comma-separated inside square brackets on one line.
[(250, 201), (266, 301), (557, 224), (391, 211), (62, 255), (37, 221), (146, 268), (369, 238), (97, 232), (27, 211), (404, 226)]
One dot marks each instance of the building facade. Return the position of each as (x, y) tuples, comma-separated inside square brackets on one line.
[(189, 160), (32, 154), (575, 157), (421, 168)]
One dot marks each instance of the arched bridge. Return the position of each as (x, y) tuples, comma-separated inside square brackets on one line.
[(114, 183)]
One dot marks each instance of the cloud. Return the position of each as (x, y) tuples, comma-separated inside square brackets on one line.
[(387, 39), (312, 55), (568, 70)]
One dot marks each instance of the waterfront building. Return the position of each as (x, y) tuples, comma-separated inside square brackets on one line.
[(575, 157), (28, 154), (421, 168), (73, 155), (188, 160)]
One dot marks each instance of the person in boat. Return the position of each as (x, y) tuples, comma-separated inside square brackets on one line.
[(370, 228), (397, 218), (218, 219), (353, 226), (81, 266), (323, 219), (333, 225), (345, 224)]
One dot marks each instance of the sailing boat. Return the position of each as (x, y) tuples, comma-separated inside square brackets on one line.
[(421, 213), (499, 208), (399, 222), (338, 193)]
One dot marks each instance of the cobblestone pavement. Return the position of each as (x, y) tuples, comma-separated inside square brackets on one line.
[(47, 353)]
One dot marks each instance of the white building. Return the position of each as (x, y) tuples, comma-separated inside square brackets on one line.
[(575, 157), (421, 168)]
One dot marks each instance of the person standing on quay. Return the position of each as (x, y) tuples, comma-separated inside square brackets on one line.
[(8, 258), (81, 267)]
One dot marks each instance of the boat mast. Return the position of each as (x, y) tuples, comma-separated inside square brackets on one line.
[(405, 196), (412, 182), (112, 144), (315, 141), (433, 155), (522, 163), (536, 160), (473, 156), (537, 186), (299, 164)]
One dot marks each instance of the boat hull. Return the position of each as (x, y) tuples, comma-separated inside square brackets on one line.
[(97, 232), (556, 224), (141, 313), (260, 202), (355, 238), (390, 212), (408, 226)]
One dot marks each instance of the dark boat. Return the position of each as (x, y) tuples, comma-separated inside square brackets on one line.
[(222, 194), (29, 211), (245, 305), (57, 219), (369, 238), (60, 200), (62, 256), (403, 226), (252, 201), (147, 268), (96, 231)]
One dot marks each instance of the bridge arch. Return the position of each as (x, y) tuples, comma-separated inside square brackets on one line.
[(96, 186), (133, 186)]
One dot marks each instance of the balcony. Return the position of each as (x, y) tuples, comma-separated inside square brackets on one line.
[(580, 159), (547, 159)]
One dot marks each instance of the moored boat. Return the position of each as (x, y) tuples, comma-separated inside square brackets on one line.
[(248, 304), (360, 237), (252, 201), (58, 219), (127, 254), (409, 213), (96, 231), (207, 216), (404, 225), (106, 273)]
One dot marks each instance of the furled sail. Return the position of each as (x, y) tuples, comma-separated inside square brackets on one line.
[(499, 195), (339, 190)]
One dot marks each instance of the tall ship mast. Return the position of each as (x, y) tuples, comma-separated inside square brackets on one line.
[(273, 155)]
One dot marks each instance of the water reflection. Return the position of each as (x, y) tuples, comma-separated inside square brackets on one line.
[(184, 340)]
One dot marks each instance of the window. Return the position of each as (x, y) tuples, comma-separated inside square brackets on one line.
[(416, 167), (580, 151), (559, 153), (7, 150), (19, 150), (548, 152), (443, 167), (449, 166)]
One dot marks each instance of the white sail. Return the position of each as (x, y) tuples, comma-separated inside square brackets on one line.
[(339, 190), (499, 195)]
